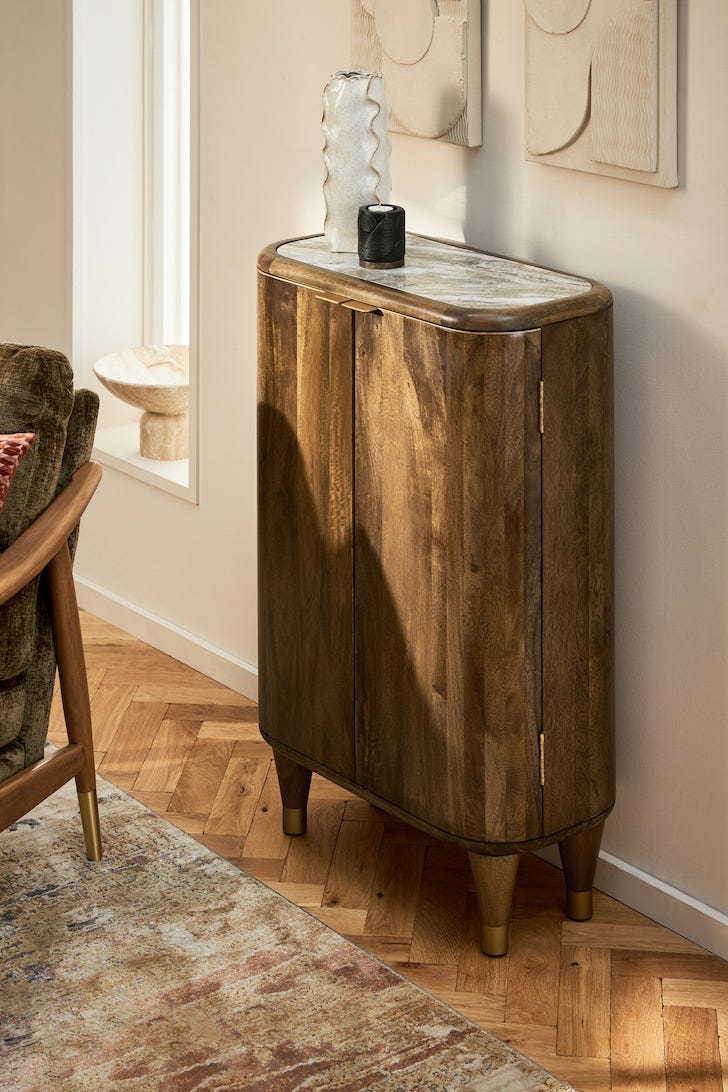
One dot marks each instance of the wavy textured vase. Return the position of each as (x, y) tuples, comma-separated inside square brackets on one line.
[(356, 153)]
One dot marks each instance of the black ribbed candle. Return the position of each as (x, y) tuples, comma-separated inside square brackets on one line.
[(381, 236)]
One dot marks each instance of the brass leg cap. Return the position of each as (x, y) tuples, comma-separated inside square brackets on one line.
[(579, 905), (495, 940), (89, 807), (294, 820)]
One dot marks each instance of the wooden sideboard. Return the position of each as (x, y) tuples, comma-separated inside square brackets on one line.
[(435, 550)]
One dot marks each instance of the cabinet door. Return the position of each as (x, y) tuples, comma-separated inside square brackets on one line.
[(305, 524), (447, 575)]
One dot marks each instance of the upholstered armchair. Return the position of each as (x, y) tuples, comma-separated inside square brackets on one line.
[(39, 625)]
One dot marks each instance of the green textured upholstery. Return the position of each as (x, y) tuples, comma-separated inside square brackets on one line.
[(36, 395)]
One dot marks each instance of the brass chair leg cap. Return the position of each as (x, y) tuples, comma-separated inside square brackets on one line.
[(579, 905), (89, 807), (495, 940), (294, 821)]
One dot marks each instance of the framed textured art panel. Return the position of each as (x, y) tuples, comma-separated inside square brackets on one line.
[(429, 54), (601, 87)]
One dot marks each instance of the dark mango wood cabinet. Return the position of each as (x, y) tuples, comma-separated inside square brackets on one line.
[(435, 550)]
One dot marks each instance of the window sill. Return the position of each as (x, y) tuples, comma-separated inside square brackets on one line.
[(118, 447)]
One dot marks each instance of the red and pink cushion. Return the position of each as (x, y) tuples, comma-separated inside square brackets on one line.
[(12, 449)]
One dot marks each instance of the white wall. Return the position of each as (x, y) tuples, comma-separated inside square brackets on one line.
[(665, 256), (35, 174), (108, 191)]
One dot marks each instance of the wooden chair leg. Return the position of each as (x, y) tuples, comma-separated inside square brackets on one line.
[(495, 880), (74, 691), (579, 855), (294, 782)]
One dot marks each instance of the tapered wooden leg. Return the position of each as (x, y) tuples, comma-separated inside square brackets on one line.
[(579, 855), (495, 879), (294, 782), (74, 691)]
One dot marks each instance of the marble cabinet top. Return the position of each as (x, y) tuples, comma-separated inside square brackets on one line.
[(453, 275)]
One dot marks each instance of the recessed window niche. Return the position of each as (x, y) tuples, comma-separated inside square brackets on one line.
[(134, 223)]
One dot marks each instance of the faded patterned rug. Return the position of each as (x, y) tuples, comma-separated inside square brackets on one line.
[(167, 968)]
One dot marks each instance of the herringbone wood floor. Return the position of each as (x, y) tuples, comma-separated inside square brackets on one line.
[(615, 1003)]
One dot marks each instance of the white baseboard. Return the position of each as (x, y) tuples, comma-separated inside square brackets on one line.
[(658, 900), (167, 637)]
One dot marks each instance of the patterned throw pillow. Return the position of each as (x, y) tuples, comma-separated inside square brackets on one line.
[(12, 450)]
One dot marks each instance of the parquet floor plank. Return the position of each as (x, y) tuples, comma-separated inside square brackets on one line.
[(234, 806), (267, 871), (179, 694), (109, 706), (157, 801), (234, 730), (227, 845), (703, 968), (638, 1044), (431, 976), (723, 1047), (161, 769), (654, 938), (220, 713), (309, 856), (127, 749), (391, 950), (266, 838), (584, 996), (687, 991), (692, 1057), (437, 934), (393, 905), (342, 919), (408, 898), (533, 969), (354, 865), (201, 777)]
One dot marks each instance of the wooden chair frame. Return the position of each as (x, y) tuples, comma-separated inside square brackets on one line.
[(44, 545)]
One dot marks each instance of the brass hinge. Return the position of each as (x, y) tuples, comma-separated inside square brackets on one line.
[(542, 758), (540, 406)]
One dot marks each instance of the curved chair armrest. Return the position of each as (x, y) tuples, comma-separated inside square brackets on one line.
[(39, 543)]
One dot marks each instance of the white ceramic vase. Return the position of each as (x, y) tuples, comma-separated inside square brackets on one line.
[(356, 153)]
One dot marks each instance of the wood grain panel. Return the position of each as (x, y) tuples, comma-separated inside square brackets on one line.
[(304, 521), (447, 540), (578, 698)]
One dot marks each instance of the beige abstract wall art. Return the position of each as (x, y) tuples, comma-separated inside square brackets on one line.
[(429, 54), (601, 87)]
